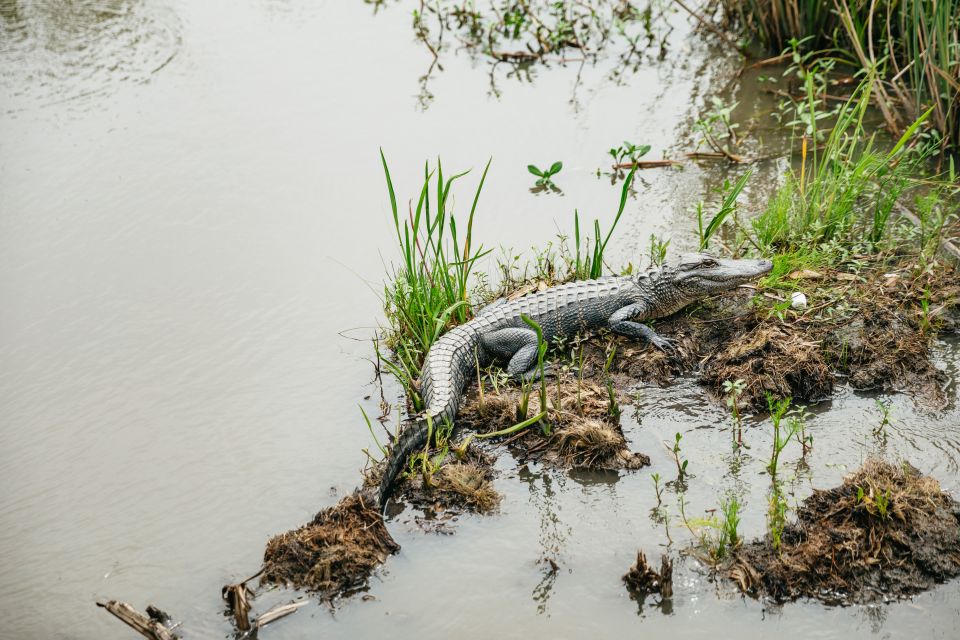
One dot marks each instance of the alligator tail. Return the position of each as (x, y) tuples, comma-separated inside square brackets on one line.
[(411, 439)]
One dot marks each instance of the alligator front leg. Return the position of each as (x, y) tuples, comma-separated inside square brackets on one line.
[(620, 322), (517, 345)]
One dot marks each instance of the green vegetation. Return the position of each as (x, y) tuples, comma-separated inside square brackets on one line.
[(544, 176), (728, 205), (428, 292), (681, 462), (628, 152), (732, 390), (589, 264), (911, 45)]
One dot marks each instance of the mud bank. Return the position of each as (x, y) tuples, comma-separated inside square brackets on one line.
[(887, 532)]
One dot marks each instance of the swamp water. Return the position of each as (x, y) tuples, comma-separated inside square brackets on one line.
[(193, 229)]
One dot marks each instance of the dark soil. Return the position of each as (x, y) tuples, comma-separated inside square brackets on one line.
[(335, 553), (869, 330), (463, 482), (847, 546), (459, 486)]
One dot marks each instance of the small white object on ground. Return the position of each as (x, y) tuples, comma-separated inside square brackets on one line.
[(798, 300)]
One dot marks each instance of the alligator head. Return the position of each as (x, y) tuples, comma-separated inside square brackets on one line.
[(696, 276)]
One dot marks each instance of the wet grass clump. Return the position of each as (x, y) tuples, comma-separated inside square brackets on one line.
[(584, 429), (335, 553), (457, 482), (887, 532)]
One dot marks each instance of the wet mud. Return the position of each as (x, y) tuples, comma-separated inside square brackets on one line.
[(887, 532)]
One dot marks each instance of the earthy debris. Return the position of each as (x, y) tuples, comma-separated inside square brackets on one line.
[(886, 532), (152, 625), (456, 487), (237, 596), (776, 359), (335, 553), (869, 329), (584, 432), (462, 481), (642, 580)]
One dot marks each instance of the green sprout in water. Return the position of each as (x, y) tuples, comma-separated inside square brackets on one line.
[(884, 409), (544, 176), (681, 463), (628, 154), (732, 390)]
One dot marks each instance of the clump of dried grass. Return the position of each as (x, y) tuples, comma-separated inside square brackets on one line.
[(335, 553), (472, 483), (887, 531), (583, 434), (774, 359)]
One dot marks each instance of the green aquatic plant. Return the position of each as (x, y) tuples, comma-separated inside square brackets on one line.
[(732, 390), (884, 409), (628, 153), (844, 195), (910, 45), (655, 477), (658, 250), (728, 205), (727, 534), (781, 437), (587, 262), (681, 462), (541, 372), (776, 516), (544, 176)]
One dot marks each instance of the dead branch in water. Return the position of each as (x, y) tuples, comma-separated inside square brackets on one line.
[(149, 625)]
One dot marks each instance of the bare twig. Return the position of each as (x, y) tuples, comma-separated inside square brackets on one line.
[(147, 626)]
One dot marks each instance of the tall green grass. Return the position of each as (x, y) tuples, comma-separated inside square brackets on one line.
[(845, 194), (912, 45), (588, 265), (429, 291)]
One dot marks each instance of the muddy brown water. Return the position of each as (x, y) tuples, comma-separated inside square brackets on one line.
[(193, 227)]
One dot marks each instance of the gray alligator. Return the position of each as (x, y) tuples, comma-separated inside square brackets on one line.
[(498, 332)]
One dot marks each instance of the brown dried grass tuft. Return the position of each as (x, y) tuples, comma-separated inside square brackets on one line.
[(472, 483), (335, 553)]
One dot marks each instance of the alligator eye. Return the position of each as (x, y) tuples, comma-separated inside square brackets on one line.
[(706, 264)]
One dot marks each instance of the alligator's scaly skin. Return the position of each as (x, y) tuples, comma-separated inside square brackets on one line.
[(499, 332)]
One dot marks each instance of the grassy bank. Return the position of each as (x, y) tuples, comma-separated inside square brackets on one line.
[(913, 46)]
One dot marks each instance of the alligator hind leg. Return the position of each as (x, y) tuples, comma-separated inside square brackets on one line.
[(519, 346)]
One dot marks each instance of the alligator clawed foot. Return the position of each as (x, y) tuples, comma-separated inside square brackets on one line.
[(666, 345)]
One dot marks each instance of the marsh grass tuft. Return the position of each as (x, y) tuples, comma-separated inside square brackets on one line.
[(911, 45), (429, 291)]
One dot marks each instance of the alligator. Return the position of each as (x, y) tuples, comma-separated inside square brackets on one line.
[(498, 332)]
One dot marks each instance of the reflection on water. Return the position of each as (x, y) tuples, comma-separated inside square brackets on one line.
[(54, 52), (553, 531)]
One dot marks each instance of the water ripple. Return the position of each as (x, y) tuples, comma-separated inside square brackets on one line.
[(77, 52)]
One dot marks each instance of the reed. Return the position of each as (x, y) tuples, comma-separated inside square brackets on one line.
[(912, 45)]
